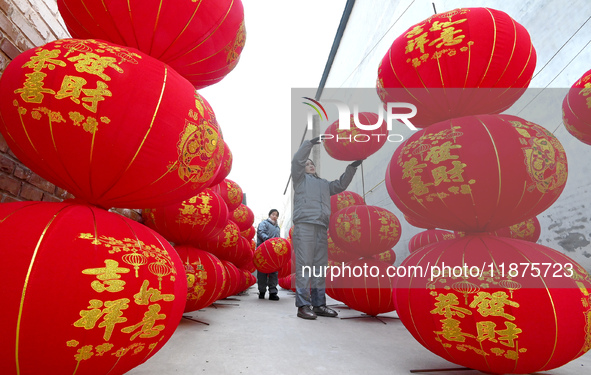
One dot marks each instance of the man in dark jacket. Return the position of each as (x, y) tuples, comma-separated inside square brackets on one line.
[(311, 214), (268, 229)]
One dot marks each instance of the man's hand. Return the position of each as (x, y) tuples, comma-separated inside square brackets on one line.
[(315, 141), (356, 163)]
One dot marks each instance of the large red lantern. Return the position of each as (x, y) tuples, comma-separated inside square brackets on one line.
[(478, 173), (202, 40), (576, 109), (62, 115), (206, 275), (344, 199), (355, 143), (364, 230), (427, 237), (243, 217), (190, 221), (85, 291), (367, 287), (463, 62), (272, 254), (231, 192), (495, 304)]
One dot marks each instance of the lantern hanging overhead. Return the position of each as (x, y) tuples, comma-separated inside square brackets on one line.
[(463, 62), (84, 290), (478, 173), (355, 143), (191, 221), (202, 40), (344, 199), (364, 230), (111, 125), (486, 298), (576, 109)]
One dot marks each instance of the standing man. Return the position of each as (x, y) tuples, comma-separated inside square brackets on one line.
[(311, 214), (268, 229)]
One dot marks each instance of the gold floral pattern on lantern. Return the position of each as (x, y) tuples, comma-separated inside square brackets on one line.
[(349, 227)]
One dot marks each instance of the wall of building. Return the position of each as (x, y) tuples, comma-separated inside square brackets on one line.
[(561, 36), (25, 24)]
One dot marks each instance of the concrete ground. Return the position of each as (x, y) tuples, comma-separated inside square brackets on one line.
[(246, 335)]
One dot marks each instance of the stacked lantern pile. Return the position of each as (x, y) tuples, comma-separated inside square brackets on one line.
[(117, 290), (480, 300), (363, 231)]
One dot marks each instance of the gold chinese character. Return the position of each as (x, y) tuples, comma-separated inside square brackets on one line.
[(44, 59), (148, 329), (447, 306), (111, 314), (147, 295), (493, 304), (33, 90), (451, 330), (440, 174), (94, 64), (108, 277), (509, 335), (95, 95), (418, 42), (72, 88), (448, 38), (486, 331)]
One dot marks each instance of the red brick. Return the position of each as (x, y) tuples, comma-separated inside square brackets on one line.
[(6, 164), (9, 184), (31, 193), (9, 198), (22, 172), (9, 48), (41, 183), (50, 198), (3, 144)]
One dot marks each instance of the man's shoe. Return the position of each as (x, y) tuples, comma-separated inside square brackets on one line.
[(305, 312), (273, 297), (324, 311), (261, 295)]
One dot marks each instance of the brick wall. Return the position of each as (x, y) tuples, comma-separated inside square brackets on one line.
[(25, 24)]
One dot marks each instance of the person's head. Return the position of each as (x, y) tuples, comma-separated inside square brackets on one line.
[(274, 214), (310, 167)]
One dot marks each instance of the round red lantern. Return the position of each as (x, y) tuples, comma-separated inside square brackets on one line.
[(287, 282), (364, 230), (344, 199), (62, 116), (527, 230), (287, 269), (230, 192), (463, 62), (206, 275), (190, 221), (367, 287), (337, 254), (234, 280), (576, 109), (224, 168), (243, 217), (356, 142), (201, 40), (388, 256), (479, 301), (272, 254), (223, 243), (478, 173), (427, 237), (249, 233), (85, 291)]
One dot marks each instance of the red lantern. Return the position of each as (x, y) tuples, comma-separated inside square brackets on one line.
[(427, 237), (224, 168), (240, 255), (287, 269), (85, 291), (190, 221), (355, 143), (364, 230), (234, 280), (201, 40), (478, 173), (223, 243), (287, 282), (463, 62), (344, 199), (243, 217), (486, 309), (62, 116), (272, 254), (206, 275), (248, 233), (337, 254), (370, 291), (576, 109), (230, 192), (528, 230), (388, 256)]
